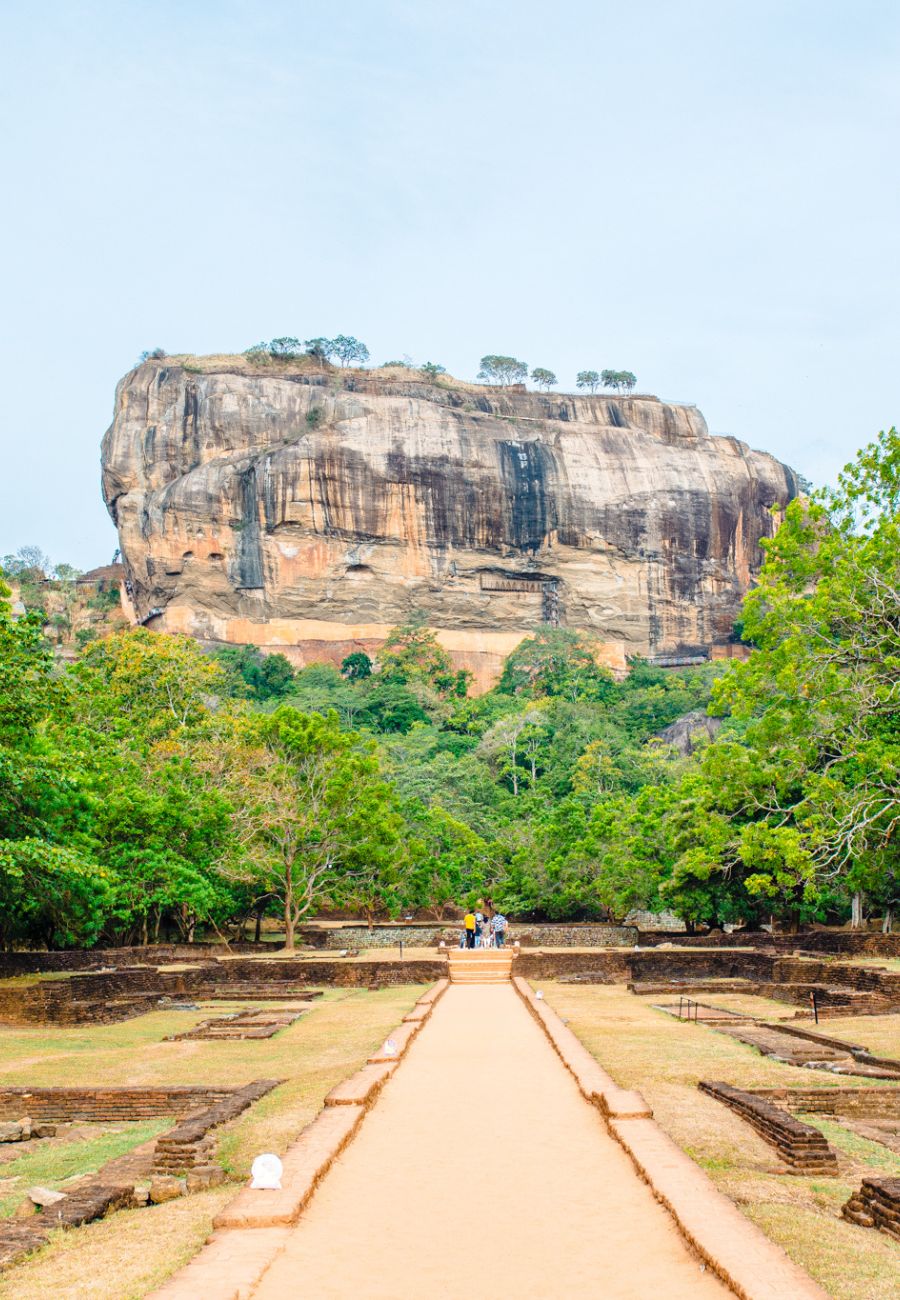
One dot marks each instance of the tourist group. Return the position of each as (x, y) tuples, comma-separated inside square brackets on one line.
[(481, 932)]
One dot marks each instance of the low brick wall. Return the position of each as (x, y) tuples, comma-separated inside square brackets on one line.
[(105, 997), (344, 974), (19, 1237), (802, 1147), (876, 1205), (849, 943), (191, 1142), (591, 967), (99, 1104), (868, 1103), (101, 997), (77, 959)]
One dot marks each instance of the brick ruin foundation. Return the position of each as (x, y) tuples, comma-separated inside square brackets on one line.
[(876, 1205), (189, 1146), (802, 1148), (107, 996), (198, 1109)]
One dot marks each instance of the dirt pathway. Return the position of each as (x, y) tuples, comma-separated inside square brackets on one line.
[(481, 1171)]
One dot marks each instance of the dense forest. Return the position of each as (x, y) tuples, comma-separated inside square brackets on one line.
[(150, 790)]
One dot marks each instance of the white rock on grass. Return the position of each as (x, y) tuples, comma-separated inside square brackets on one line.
[(44, 1196)]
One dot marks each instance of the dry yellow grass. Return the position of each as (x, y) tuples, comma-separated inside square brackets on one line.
[(664, 1058), (125, 1257), (120, 1258), (880, 1034)]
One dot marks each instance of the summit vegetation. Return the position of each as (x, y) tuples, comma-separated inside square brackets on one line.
[(148, 789)]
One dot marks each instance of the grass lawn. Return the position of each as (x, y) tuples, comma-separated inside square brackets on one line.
[(52, 1164), (880, 1034), (748, 1004), (128, 1255), (665, 1058)]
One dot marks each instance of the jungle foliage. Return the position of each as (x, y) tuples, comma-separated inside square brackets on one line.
[(148, 788)]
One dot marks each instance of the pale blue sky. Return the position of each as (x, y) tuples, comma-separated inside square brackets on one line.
[(702, 191)]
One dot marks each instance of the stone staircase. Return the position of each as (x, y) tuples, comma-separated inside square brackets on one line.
[(480, 965)]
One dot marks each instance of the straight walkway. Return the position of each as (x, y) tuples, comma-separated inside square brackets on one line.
[(482, 1172)]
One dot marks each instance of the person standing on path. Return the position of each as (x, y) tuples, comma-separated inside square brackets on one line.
[(469, 923), (498, 929), (479, 929)]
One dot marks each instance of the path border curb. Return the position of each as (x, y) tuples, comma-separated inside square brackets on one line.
[(251, 1231), (738, 1252)]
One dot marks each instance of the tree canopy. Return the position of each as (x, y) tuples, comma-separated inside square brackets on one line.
[(495, 369)]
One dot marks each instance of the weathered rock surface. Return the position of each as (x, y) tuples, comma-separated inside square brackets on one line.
[(310, 513)]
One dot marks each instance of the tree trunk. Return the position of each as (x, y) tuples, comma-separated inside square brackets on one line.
[(887, 924), (856, 911), (257, 933), (288, 926)]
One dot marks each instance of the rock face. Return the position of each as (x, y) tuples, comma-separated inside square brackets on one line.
[(310, 513)]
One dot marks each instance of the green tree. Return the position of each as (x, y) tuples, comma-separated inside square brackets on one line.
[(308, 808), (284, 347), (431, 371), (588, 379), (619, 380), (412, 655), (144, 682), (556, 661), (52, 891), (495, 369), (543, 378), (357, 666), (800, 809), (349, 351), (390, 707), (322, 349)]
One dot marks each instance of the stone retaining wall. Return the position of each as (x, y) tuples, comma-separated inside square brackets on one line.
[(531, 935), (802, 1147)]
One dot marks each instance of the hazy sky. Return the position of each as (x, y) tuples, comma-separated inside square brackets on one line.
[(702, 191)]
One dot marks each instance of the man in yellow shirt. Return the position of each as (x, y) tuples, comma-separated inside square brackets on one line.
[(470, 929)]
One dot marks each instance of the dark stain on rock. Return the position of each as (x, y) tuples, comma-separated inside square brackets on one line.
[(248, 556), (616, 418), (528, 473)]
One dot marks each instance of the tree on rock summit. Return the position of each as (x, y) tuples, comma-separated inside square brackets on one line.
[(502, 370)]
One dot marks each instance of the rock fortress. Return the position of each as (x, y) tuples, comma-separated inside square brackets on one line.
[(309, 511)]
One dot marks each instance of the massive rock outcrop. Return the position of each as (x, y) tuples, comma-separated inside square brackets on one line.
[(311, 512)]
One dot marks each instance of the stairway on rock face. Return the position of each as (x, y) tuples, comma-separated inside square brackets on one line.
[(480, 965)]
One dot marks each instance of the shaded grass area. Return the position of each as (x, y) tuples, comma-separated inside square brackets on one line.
[(128, 1255), (57, 1160), (665, 1058)]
